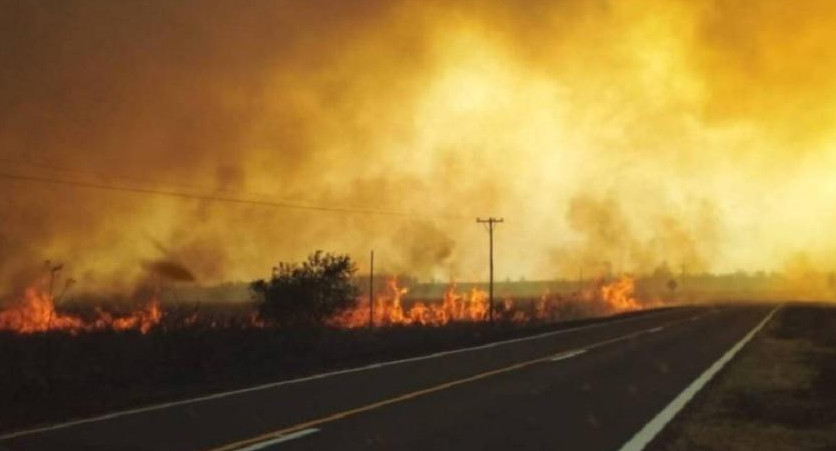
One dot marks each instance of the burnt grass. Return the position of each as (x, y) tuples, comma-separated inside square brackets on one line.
[(779, 393), (55, 376)]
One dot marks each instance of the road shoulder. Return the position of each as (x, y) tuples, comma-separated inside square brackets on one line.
[(778, 394)]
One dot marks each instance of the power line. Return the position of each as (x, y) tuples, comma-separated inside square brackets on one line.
[(225, 199), (221, 192), (110, 177)]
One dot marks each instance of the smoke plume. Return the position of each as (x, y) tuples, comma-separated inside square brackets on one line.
[(695, 132)]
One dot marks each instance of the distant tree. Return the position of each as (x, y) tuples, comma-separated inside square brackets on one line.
[(306, 294)]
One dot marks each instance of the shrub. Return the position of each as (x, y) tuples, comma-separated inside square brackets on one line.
[(306, 294)]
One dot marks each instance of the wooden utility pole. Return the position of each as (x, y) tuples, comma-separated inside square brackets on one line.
[(50, 378), (490, 223), (371, 291)]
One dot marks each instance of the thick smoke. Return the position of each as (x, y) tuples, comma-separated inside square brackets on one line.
[(699, 133)]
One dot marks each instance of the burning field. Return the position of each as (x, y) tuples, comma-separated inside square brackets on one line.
[(393, 308), (36, 310), (632, 155)]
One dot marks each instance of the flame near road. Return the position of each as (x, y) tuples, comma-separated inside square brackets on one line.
[(36, 311), (389, 309), (620, 295), (614, 297)]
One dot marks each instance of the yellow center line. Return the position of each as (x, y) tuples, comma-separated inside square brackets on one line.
[(415, 394)]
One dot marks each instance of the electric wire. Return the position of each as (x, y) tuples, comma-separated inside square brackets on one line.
[(224, 199)]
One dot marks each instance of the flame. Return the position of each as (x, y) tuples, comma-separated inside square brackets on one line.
[(36, 310), (614, 297), (389, 309), (143, 319), (36, 313), (545, 306), (620, 295)]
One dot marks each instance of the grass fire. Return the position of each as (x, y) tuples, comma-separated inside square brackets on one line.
[(276, 222), (36, 310)]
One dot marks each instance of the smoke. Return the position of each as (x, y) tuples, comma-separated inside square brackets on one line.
[(169, 270), (608, 241), (425, 249), (633, 132)]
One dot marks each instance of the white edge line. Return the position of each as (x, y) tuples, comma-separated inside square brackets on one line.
[(567, 355), (269, 385), (651, 429), (283, 438)]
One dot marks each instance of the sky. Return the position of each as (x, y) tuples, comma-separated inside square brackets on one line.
[(610, 136)]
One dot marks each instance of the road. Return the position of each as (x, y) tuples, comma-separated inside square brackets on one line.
[(593, 387)]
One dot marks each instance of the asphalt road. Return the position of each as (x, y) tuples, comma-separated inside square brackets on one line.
[(587, 388)]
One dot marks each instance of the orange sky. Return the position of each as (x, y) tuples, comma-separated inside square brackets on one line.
[(605, 132)]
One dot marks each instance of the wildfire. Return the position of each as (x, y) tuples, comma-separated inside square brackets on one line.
[(456, 307), (143, 319), (615, 297), (620, 295), (36, 313)]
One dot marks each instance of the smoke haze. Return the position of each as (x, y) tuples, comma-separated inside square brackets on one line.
[(624, 133)]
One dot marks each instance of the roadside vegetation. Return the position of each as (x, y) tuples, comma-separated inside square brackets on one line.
[(309, 293), (779, 394)]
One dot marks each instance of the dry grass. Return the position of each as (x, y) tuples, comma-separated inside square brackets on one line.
[(777, 395)]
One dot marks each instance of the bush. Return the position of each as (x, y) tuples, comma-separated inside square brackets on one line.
[(306, 294)]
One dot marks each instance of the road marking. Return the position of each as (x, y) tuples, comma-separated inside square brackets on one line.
[(270, 385), (567, 355), (656, 329), (237, 446), (651, 429), (282, 439)]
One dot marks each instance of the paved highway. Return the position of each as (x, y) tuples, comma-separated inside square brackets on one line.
[(605, 386)]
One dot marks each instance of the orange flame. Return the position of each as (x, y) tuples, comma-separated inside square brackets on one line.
[(36, 313), (143, 320), (389, 309), (620, 295)]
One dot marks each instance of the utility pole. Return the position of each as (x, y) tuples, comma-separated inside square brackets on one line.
[(48, 342), (53, 269), (490, 222), (371, 291)]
